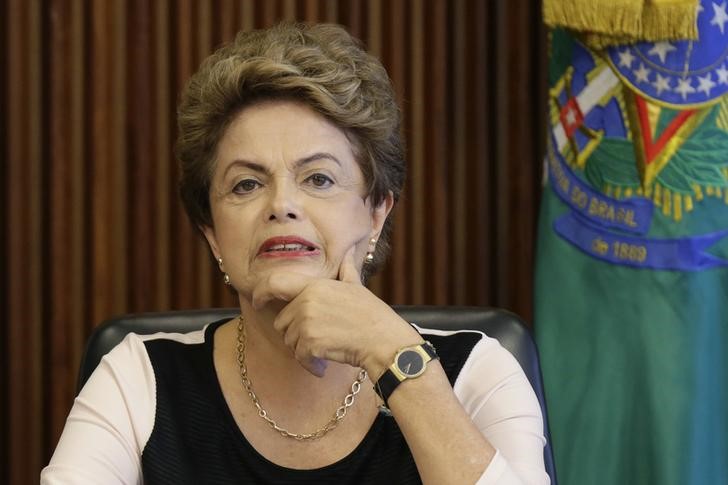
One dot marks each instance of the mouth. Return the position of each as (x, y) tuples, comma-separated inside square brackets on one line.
[(287, 247)]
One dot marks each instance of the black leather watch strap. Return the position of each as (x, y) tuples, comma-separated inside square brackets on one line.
[(389, 381)]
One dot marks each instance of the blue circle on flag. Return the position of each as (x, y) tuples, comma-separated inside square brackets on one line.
[(681, 73)]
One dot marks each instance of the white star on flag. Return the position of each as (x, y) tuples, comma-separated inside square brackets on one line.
[(641, 74), (684, 87), (722, 73), (720, 17), (705, 84), (661, 49), (626, 58), (662, 84)]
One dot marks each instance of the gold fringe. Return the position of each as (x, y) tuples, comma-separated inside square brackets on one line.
[(628, 192), (673, 21), (607, 17), (618, 192), (710, 191), (657, 195), (640, 192), (666, 202), (615, 22), (608, 190), (677, 207), (648, 191), (698, 192), (688, 203), (718, 192)]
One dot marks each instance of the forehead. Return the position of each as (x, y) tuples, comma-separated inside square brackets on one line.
[(270, 132)]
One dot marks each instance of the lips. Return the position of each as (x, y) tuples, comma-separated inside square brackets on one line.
[(287, 246)]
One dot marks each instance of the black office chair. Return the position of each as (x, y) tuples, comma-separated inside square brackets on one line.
[(506, 327)]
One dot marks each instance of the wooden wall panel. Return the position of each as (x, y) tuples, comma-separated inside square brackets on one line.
[(90, 219)]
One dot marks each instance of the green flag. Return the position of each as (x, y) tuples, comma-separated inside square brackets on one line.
[(632, 263)]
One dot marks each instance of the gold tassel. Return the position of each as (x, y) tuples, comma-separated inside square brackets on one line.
[(628, 192), (688, 203), (618, 192), (710, 191), (657, 199), (615, 17), (669, 21), (615, 22)]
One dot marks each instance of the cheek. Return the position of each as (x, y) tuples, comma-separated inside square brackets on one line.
[(234, 235), (346, 227)]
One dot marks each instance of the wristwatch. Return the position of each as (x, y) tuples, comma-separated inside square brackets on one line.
[(409, 363)]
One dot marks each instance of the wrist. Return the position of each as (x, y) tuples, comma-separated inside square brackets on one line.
[(408, 363), (381, 352)]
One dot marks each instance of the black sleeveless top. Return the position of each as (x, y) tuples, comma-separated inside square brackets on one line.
[(195, 439)]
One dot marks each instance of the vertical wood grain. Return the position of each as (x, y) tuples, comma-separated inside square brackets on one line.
[(416, 129), (4, 252), (25, 262), (163, 188), (437, 138)]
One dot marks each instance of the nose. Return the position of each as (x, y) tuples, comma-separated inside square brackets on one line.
[(284, 203)]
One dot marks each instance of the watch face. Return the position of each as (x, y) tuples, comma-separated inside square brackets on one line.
[(410, 363)]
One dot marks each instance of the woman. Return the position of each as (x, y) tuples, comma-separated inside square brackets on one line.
[(291, 162)]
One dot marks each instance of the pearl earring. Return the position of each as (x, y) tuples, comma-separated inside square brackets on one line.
[(370, 254), (226, 277)]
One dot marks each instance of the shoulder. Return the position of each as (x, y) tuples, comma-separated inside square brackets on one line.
[(464, 351), (454, 348), (480, 369)]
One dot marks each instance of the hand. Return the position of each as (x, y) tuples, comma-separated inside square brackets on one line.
[(338, 320)]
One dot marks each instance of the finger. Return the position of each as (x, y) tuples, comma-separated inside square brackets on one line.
[(279, 286), (284, 319), (347, 270), (315, 365)]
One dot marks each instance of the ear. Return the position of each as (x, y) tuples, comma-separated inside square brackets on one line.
[(380, 214), (209, 233)]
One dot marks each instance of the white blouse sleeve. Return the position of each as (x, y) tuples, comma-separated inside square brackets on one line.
[(501, 402), (109, 424)]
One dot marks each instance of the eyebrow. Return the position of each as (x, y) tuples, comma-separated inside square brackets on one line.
[(256, 167)]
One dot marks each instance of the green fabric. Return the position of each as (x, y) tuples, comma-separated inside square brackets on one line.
[(635, 366), (635, 360)]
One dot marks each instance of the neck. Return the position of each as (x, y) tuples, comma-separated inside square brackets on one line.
[(267, 350)]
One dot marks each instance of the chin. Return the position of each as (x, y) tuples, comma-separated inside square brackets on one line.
[(299, 267)]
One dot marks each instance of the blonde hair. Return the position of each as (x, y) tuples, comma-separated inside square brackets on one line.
[(321, 66)]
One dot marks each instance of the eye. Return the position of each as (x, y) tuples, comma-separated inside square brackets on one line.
[(319, 180), (246, 186)]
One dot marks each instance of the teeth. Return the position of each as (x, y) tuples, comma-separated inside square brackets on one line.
[(288, 247)]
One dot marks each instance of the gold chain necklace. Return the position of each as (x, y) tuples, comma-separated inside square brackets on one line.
[(334, 422)]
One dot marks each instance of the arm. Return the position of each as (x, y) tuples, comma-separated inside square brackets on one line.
[(456, 443), (109, 424), (343, 321), (492, 398)]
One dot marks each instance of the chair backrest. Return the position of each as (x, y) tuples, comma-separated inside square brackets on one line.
[(501, 325)]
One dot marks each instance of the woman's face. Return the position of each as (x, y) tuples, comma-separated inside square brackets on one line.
[(288, 195)]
